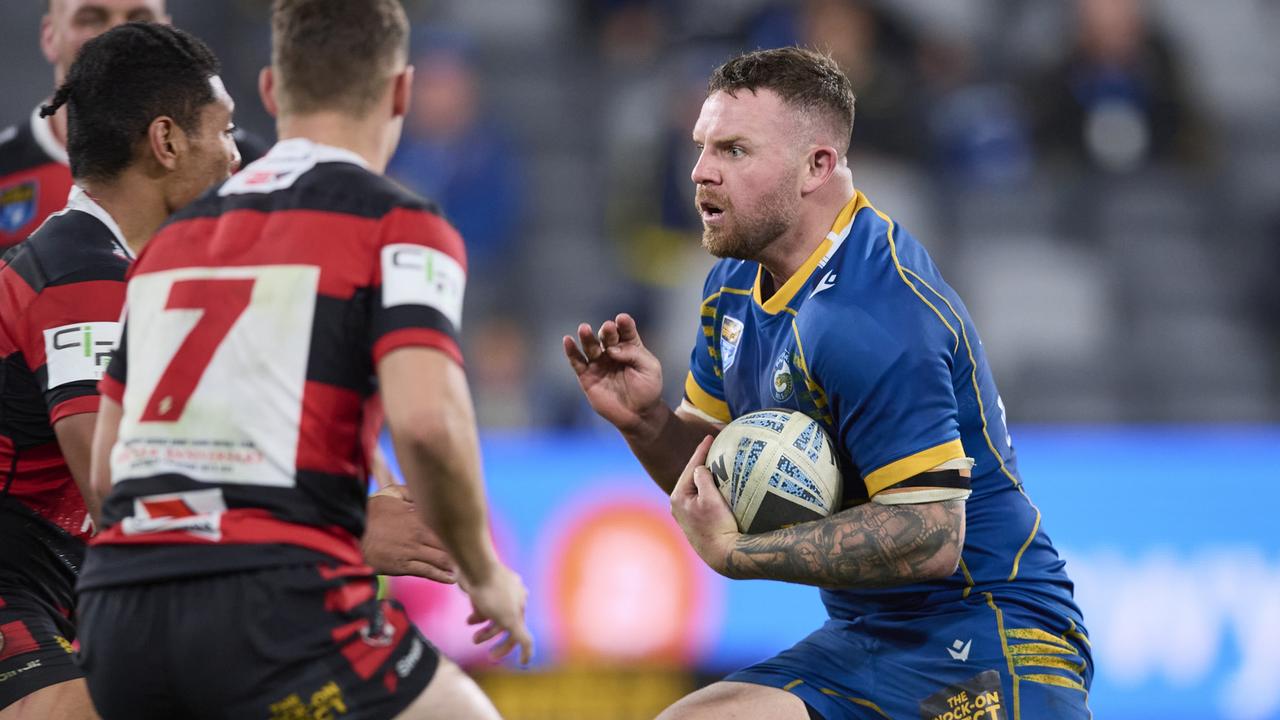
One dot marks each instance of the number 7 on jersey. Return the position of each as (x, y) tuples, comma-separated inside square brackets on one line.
[(223, 301)]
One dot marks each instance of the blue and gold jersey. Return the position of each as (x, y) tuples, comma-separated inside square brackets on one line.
[(869, 339)]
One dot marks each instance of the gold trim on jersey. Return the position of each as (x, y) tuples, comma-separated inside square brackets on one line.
[(833, 693), (1041, 648), (1004, 647), (902, 273), (1049, 661), (912, 465), (1037, 635), (819, 395), (703, 400), (977, 391), (954, 335), (968, 579), (839, 231), (1055, 680)]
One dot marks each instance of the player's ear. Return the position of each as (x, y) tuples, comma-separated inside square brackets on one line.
[(821, 165), (46, 38), (267, 91), (166, 142), (401, 92)]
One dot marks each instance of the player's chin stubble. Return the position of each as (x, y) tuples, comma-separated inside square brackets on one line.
[(745, 238)]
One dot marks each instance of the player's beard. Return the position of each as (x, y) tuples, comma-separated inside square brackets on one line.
[(745, 235)]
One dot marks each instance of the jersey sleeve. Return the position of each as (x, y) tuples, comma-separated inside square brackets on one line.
[(421, 278), (70, 331), (893, 398), (704, 386), (113, 379)]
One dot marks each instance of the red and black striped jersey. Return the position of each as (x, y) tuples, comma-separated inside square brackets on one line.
[(61, 293), (34, 178), (255, 320)]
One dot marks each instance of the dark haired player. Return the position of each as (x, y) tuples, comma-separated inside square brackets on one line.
[(149, 128), (229, 432), (34, 173), (945, 597)]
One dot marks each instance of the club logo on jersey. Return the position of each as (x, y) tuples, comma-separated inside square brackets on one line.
[(783, 385), (17, 205), (730, 334), (79, 352), (419, 275)]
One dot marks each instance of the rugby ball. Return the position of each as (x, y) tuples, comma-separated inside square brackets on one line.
[(775, 468)]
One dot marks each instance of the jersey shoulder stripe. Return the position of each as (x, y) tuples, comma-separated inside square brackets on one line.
[(70, 247)]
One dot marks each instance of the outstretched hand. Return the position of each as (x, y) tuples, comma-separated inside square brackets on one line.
[(620, 377), (703, 513), (499, 603)]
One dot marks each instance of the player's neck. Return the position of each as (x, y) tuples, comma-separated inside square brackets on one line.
[(135, 203), (366, 138), (786, 255)]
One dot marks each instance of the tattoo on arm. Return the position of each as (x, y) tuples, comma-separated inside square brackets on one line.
[(871, 545)]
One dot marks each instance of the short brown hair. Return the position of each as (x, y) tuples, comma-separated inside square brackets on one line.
[(336, 54), (807, 80)]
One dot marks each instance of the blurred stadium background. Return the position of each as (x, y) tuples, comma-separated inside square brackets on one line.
[(1099, 180)]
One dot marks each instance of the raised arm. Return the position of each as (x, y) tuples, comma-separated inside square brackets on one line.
[(622, 380)]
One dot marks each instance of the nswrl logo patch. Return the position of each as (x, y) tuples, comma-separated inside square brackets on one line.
[(977, 698), (730, 334), (17, 205)]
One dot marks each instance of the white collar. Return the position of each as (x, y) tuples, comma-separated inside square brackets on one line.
[(43, 134), (78, 199), (300, 148)]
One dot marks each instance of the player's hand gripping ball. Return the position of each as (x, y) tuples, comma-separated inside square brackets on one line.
[(775, 468)]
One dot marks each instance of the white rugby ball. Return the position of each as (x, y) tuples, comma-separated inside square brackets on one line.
[(776, 468)]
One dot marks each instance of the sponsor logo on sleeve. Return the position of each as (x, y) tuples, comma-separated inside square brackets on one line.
[(418, 275), (79, 352)]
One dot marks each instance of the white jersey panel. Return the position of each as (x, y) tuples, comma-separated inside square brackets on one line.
[(238, 420)]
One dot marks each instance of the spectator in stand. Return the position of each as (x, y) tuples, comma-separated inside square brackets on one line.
[(1117, 101), (465, 160)]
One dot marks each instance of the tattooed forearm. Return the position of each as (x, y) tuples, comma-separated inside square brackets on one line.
[(871, 545)]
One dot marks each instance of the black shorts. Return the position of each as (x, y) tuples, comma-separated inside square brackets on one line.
[(302, 641), (34, 650)]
